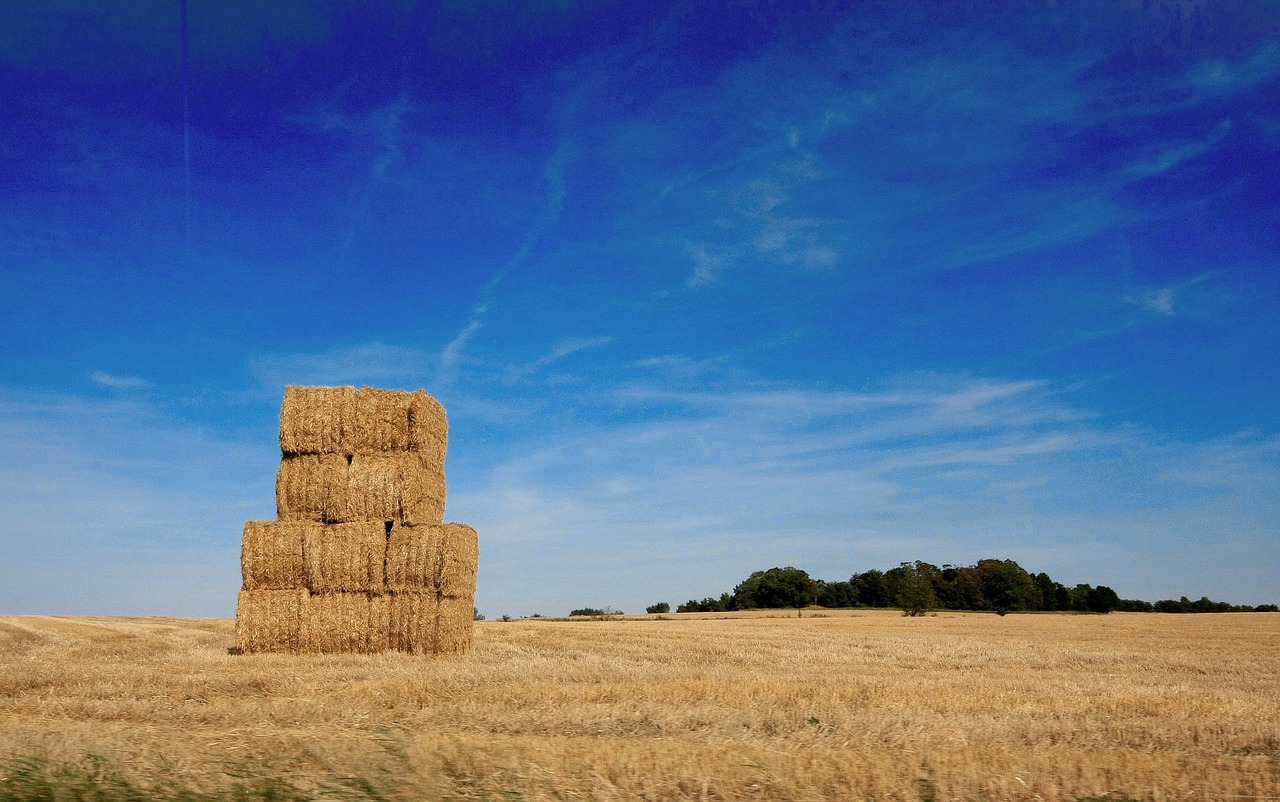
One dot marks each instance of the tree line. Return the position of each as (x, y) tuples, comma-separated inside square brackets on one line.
[(1000, 586)]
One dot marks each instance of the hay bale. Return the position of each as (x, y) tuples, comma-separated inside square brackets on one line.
[(428, 425), (269, 620), (346, 557), (318, 420), (334, 623), (271, 554), (455, 617), (332, 488), (344, 420), (412, 622), (382, 420), (412, 558), (459, 557), (440, 558), (312, 487), (379, 623), (394, 420), (404, 488)]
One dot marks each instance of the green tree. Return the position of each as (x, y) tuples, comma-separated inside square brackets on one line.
[(836, 594), (870, 589), (776, 587), (911, 588), (1005, 586), (660, 607)]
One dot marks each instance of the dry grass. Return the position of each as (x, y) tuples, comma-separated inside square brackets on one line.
[(870, 705)]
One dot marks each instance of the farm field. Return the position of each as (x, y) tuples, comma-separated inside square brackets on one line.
[(842, 705)]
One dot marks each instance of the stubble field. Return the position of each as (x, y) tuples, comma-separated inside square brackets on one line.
[(850, 705)]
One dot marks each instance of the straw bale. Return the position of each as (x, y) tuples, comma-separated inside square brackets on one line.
[(413, 558), (318, 420), (333, 488), (440, 558), (428, 425), (269, 620), (382, 420), (404, 488), (346, 557), (271, 554), (459, 560), (335, 623), (412, 622), (379, 623), (344, 420), (454, 624), (312, 487)]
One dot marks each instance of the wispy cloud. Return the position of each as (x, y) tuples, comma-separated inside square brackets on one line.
[(838, 481), (1177, 153), (371, 363), (559, 351), (118, 382), (1182, 297), (453, 355), (116, 507)]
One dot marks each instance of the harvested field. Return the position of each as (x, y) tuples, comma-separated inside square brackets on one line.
[(850, 706)]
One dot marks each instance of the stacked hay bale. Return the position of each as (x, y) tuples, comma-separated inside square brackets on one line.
[(359, 558)]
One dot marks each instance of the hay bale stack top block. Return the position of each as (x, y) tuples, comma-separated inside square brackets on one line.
[(359, 558)]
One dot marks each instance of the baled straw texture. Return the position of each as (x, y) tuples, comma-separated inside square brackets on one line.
[(413, 558), (379, 623), (412, 621), (344, 420), (428, 426), (333, 488), (346, 557), (318, 420), (455, 617), (334, 623), (271, 554), (312, 487), (443, 559), (459, 560), (269, 620)]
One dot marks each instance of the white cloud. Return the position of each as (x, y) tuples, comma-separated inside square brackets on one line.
[(372, 363), (700, 488), (559, 351), (1187, 297), (1178, 153), (118, 382), (112, 507)]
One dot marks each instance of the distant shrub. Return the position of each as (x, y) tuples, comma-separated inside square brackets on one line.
[(660, 607), (586, 611)]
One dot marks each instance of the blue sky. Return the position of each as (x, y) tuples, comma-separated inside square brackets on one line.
[(705, 287)]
